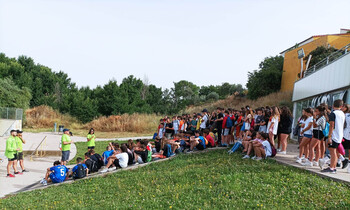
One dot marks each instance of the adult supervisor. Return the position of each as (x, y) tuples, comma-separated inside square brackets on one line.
[(66, 143)]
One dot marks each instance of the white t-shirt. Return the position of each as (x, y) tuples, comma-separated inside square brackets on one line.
[(302, 121), (204, 122), (339, 120), (275, 125), (267, 146), (307, 121), (347, 128), (123, 159)]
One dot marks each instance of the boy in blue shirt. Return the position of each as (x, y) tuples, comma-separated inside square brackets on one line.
[(55, 174), (80, 170), (106, 154)]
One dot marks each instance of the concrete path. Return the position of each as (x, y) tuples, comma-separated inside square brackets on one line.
[(292, 151)]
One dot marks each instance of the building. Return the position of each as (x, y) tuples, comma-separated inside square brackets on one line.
[(324, 82), (292, 64)]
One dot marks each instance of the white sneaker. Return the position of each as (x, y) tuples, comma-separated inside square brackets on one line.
[(314, 163), (278, 150), (104, 170), (307, 163), (299, 161), (282, 153), (304, 160), (111, 169), (258, 158), (43, 182), (246, 157), (254, 157), (321, 163)]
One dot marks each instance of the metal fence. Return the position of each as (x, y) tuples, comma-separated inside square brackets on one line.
[(11, 113)]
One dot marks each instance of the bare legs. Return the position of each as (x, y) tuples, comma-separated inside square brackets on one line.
[(283, 141)]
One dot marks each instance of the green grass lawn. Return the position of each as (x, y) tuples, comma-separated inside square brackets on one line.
[(196, 181)]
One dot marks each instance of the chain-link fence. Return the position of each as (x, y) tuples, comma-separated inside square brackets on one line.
[(11, 113)]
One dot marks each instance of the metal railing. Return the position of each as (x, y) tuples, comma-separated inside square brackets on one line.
[(42, 151), (11, 113), (328, 60)]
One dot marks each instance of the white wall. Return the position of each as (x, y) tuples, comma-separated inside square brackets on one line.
[(333, 76)]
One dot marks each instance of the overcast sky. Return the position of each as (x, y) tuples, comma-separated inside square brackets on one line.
[(205, 42)]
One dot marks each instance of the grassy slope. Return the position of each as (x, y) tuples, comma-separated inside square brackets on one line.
[(197, 181)]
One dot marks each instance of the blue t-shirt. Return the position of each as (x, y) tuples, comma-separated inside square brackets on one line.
[(106, 155), (59, 173), (202, 141), (76, 167)]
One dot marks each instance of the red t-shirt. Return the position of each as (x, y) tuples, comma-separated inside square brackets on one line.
[(210, 140)]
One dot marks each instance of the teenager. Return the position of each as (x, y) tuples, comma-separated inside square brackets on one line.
[(176, 125), (226, 126), (11, 153), (219, 120), (346, 142), (66, 145), (263, 150), (169, 129), (284, 129), (80, 170), (20, 141), (336, 133), (211, 142), (56, 174), (273, 124), (319, 123), (306, 132), (91, 139), (205, 119), (106, 154), (120, 161)]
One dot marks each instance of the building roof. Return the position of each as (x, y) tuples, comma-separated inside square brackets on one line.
[(312, 38)]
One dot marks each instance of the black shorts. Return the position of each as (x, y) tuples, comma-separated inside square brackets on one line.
[(89, 148), (346, 144), (14, 158), (116, 163), (317, 134), (200, 146), (334, 145), (20, 156)]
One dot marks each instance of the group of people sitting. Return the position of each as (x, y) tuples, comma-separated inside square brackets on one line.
[(253, 130)]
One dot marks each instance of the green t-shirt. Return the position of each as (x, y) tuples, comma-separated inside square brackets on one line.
[(19, 144), (91, 143), (11, 147), (65, 138)]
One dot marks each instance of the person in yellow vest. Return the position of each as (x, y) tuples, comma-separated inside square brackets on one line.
[(11, 153), (20, 141), (66, 144), (91, 139), (199, 121)]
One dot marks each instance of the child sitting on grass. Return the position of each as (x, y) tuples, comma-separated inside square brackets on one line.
[(211, 142), (106, 154), (263, 149), (120, 160), (56, 174), (246, 139), (256, 137), (197, 142), (80, 170), (90, 164)]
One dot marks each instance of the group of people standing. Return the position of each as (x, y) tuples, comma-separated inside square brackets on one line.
[(14, 153)]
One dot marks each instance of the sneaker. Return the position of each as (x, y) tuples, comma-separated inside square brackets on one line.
[(104, 170), (230, 152), (258, 158), (321, 163), (307, 163), (329, 170), (338, 164), (10, 176), (18, 173), (345, 163), (43, 182), (299, 161), (254, 157), (189, 151), (282, 153), (246, 157), (278, 150), (304, 159), (314, 163), (23, 171)]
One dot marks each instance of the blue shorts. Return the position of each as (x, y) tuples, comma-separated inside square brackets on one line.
[(54, 179), (308, 136), (243, 127)]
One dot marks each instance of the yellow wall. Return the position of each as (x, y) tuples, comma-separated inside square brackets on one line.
[(291, 65)]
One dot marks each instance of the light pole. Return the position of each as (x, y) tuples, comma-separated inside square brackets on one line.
[(301, 55)]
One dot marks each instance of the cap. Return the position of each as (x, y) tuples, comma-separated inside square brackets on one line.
[(205, 110), (66, 129), (13, 131), (18, 131), (199, 114)]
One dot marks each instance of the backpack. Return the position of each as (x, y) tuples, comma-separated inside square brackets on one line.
[(80, 172), (325, 131), (92, 166), (98, 160), (229, 123)]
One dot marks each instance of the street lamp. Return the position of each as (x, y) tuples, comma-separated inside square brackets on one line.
[(301, 55)]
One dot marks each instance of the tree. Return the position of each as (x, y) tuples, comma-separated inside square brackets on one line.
[(267, 79), (319, 54), (213, 96), (13, 96), (184, 93)]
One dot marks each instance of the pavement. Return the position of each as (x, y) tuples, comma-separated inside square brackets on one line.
[(37, 167)]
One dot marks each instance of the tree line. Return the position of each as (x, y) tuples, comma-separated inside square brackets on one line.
[(24, 84)]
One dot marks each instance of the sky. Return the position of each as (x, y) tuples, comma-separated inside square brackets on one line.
[(165, 41)]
